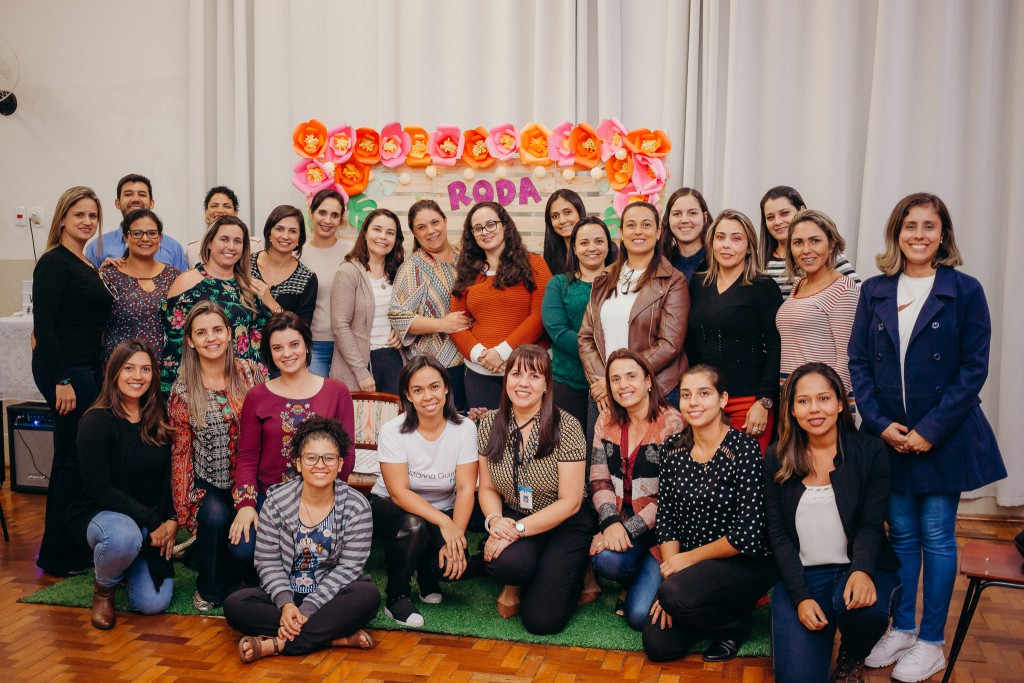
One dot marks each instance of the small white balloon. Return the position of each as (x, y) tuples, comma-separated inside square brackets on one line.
[(501, 172), (597, 172), (540, 171), (329, 167), (568, 174), (467, 173), (404, 178), (431, 171), (620, 153)]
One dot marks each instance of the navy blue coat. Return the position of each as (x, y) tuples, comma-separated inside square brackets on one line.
[(947, 365)]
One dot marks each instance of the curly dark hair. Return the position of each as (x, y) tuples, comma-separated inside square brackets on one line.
[(514, 267), (319, 427)]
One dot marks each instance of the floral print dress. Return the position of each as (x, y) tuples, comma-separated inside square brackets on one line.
[(136, 313)]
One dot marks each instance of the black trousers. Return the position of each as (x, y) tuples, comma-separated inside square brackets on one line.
[(411, 544), (575, 402), (251, 611), (714, 598), (386, 365), (483, 391), (549, 567), (210, 555)]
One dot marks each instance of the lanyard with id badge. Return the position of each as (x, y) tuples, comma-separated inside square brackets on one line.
[(525, 491)]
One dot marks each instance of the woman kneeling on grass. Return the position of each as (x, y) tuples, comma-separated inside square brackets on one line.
[(313, 543)]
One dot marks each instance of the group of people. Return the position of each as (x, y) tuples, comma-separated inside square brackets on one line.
[(659, 414)]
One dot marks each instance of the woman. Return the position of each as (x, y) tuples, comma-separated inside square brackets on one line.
[(314, 542), (684, 226), (815, 321), (641, 304), (293, 285), (139, 284), (918, 360), (565, 303), (71, 306), (424, 497), (222, 277), (420, 303), (204, 410), (561, 214), (732, 325), (501, 287), (323, 255), (624, 482), (270, 415), (826, 494), (219, 201), (366, 349), (778, 207), (532, 466), (124, 513), (715, 556)]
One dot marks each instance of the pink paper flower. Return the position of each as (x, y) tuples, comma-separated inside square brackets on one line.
[(648, 174), (613, 136), (503, 141), (630, 194), (395, 144), (311, 177), (558, 145), (446, 144), (340, 143)]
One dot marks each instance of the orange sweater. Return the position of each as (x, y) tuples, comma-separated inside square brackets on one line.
[(510, 315)]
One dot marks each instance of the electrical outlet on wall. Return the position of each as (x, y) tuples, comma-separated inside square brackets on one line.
[(20, 218), (36, 217)]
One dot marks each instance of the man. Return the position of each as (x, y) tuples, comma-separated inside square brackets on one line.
[(134, 191)]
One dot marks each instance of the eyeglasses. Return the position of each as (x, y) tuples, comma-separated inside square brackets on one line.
[(139, 234), (311, 459), (488, 228)]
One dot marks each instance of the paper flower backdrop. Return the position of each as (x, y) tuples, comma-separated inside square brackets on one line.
[(343, 157)]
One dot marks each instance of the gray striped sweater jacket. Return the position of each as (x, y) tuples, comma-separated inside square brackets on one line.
[(275, 544)]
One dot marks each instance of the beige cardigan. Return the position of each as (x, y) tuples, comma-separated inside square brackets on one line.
[(352, 309)]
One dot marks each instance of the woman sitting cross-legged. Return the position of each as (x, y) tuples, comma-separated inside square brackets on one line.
[(711, 526), (532, 463), (125, 512), (423, 500), (826, 496), (313, 543), (624, 482)]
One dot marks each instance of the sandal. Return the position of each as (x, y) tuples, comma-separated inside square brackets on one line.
[(620, 605), (591, 589), (255, 644), (201, 605), (361, 640)]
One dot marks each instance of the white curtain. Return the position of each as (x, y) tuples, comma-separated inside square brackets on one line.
[(855, 104)]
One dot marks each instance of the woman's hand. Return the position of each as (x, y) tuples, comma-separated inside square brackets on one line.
[(456, 321), (597, 544), (617, 538), (757, 420), (491, 360), (859, 591), (504, 528), (111, 262), (163, 537), (896, 436), (291, 622), (66, 399), (453, 564), (657, 613), (599, 392), (368, 384), (676, 563), (393, 341), (493, 547), (915, 443), (811, 616), (454, 540), (262, 290), (246, 517)]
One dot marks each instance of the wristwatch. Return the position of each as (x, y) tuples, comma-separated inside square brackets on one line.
[(766, 402), (521, 528)]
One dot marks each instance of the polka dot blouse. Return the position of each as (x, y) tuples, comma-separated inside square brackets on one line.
[(700, 503)]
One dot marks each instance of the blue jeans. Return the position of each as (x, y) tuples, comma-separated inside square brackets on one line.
[(116, 540), (322, 354), (924, 526), (243, 554), (804, 656), (638, 572)]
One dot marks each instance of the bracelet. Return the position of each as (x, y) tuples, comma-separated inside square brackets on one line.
[(487, 521)]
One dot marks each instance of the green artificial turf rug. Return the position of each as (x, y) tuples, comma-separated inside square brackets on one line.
[(468, 610)]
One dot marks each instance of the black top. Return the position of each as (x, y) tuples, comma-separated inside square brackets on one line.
[(735, 332), (860, 483), (122, 473), (699, 503), (296, 293), (70, 307)]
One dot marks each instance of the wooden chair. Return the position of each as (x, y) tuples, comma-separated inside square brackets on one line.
[(986, 564), (372, 409)]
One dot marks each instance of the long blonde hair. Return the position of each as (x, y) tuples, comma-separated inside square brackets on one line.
[(752, 260), (241, 268), (71, 197), (191, 372)]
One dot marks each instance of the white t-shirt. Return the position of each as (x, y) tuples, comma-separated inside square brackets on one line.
[(820, 528), (325, 263), (615, 312), (431, 463), (911, 293), (381, 328)]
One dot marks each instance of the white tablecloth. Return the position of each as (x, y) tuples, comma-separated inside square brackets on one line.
[(16, 381)]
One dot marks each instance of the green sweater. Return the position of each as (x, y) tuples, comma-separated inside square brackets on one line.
[(563, 310)]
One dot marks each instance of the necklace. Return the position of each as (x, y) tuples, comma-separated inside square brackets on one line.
[(626, 280)]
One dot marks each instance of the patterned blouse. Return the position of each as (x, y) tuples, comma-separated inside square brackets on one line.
[(699, 503), (313, 545), (297, 293), (136, 313), (207, 453), (423, 286), (540, 474), (246, 325)]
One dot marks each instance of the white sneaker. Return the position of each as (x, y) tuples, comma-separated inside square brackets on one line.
[(923, 661), (892, 646)]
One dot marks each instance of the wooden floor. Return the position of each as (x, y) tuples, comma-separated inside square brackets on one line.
[(39, 643)]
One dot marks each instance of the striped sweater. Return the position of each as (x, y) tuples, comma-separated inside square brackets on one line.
[(776, 270), (817, 328), (275, 544)]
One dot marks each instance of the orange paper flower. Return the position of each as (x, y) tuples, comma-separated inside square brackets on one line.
[(533, 147), (419, 156), (309, 138), (367, 149), (475, 151), (585, 144), (653, 144), (620, 171), (353, 177)]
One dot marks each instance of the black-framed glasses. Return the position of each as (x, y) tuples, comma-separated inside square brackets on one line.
[(311, 459), (486, 228), (139, 234)]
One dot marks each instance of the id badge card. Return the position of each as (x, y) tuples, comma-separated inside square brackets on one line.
[(526, 497)]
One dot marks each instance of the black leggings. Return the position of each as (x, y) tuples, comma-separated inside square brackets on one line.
[(411, 544)]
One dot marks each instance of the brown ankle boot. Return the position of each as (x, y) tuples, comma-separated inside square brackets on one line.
[(102, 607)]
